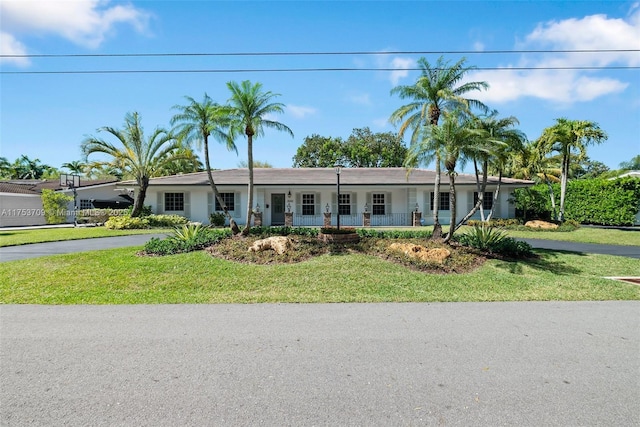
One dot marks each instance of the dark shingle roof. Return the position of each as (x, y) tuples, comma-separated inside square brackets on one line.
[(321, 177), (35, 186)]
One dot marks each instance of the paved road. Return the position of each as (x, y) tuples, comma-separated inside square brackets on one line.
[(13, 253), (459, 364)]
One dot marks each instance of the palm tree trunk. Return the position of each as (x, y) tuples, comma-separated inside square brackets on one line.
[(552, 196), (142, 193), (452, 203), (437, 228), (563, 185), (480, 187), (495, 196), (247, 228), (214, 188)]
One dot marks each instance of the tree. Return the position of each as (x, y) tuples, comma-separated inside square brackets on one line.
[(142, 158), (319, 152), (76, 167), (196, 122), (186, 162), (6, 171), (565, 138), (250, 107), (26, 168), (364, 149), (589, 169), (633, 164), (496, 144), (437, 89)]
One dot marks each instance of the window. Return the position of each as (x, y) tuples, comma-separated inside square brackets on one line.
[(174, 201), (229, 201), (308, 204), (487, 200), (378, 207), (344, 204), (86, 204), (444, 201)]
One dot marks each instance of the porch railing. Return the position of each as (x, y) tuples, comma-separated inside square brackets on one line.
[(389, 220)]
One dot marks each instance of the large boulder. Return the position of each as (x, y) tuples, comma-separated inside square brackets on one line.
[(278, 244), (544, 225), (420, 252)]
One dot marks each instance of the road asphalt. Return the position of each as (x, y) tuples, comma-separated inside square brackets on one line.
[(14, 253), (439, 364)]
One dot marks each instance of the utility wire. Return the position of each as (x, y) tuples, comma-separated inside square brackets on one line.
[(408, 52), (297, 70)]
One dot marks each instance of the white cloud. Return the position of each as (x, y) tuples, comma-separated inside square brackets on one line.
[(83, 22), (571, 85), (300, 112), (381, 123), (399, 63), (10, 46)]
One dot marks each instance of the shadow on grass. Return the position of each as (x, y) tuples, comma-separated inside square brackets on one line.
[(547, 261)]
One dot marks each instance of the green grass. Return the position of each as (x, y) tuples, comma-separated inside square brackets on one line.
[(24, 237), (584, 235), (118, 276)]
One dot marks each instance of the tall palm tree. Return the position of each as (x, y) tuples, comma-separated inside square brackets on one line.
[(6, 171), (198, 121), (437, 89), (567, 137), (142, 158), (250, 107), (26, 168)]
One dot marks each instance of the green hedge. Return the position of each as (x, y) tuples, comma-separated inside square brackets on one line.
[(588, 201)]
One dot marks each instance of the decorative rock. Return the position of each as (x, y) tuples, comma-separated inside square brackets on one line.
[(420, 252), (541, 224), (339, 238), (278, 244)]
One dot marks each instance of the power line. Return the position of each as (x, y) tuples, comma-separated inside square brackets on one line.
[(298, 70), (399, 52)]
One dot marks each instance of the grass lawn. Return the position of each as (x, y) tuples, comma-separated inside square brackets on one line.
[(584, 235), (118, 276), (23, 237)]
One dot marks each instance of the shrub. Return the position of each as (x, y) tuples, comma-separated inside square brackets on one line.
[(166, 220), (126, 222), (332, 230), (217, 219), (189, 238), (395, 234), (496, 222), (55, 206), (489, 239), (146, 210)]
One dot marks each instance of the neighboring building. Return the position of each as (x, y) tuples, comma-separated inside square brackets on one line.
[(390, 195), (21, 200)]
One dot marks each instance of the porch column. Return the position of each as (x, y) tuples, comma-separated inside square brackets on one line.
[(288, 219), (327, 220), (366, 219), (415, 218), (257, 219)]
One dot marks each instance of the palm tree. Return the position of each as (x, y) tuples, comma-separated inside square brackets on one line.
[(76, 167), (437, 89), (567, 137), (142, 158), (499, 142), (6, 171), (250, 106), (196, 122), (26, 168)]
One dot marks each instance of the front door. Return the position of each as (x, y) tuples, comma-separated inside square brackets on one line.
[(277, 209)]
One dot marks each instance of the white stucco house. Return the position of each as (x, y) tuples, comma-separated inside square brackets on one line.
[(390, 195), (21, 200)]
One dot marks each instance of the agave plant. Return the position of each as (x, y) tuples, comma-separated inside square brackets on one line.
[(483, 237), (188, 232)]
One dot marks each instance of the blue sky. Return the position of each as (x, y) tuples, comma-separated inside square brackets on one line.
[(46, 116)]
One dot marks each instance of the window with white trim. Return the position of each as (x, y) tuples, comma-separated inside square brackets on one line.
[(444, 204), (378, 204), (174, 202), (344, 204), (229, 201), (308, 204)]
